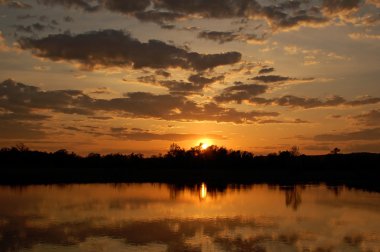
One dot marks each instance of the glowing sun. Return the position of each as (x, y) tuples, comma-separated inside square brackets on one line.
[(204, 143)]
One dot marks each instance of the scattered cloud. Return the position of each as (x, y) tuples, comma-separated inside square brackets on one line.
[(240, 92), (361, 36), (195, 84), (279, 79), (3, 44), (137, 134), (224, 37), (372, 134), (33, 28), (10, 129), (122, 51), (374, 2), (279, 16), (371, 118), (334, 7), (266, 70), (307, 103), (19, 98), (15, 4), (273, 121)]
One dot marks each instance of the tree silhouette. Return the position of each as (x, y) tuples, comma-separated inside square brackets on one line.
[(335, 151)]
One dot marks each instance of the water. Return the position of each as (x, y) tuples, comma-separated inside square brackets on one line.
[(161, 217)]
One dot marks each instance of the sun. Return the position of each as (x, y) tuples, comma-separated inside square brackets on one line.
[(205, 143), (204, 146)]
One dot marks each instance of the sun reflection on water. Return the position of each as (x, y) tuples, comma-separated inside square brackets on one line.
[(203, 192)]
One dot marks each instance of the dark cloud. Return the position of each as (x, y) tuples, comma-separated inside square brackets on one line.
[(338, 6), (138, 134), (295, 101), (162, 73), (182, 87), (201, 80), (279, 19), (76, 4), (36, 27), (223, 37), (364, 101), (19, 98), (16, 4), (150, 136), (280, 16), (372, 134), (195, 84), (272, 121), (127, 6), (273, 78), (159, 17), (372, 118), (100, 117), (240, 92), (122, 50), (266, 70), (68, 19), (23, 17)]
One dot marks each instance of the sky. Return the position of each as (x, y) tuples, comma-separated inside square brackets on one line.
[(137, 75)]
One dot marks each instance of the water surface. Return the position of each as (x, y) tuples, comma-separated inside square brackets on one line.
[(161, 217)]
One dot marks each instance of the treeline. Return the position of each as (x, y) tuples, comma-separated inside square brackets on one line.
[(20, 165)]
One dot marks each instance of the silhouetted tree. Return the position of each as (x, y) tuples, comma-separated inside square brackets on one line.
[(295, 151), (335, 151)]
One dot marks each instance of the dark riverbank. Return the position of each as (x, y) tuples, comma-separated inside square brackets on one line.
[(215, 166)]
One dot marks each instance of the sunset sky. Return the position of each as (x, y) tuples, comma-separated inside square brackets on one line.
[(137, 75)]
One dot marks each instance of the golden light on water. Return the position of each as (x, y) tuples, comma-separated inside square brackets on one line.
[(203, 191)]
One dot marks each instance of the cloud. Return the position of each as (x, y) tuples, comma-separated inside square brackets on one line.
[(68, 19), (126, 6), (364, 134), (36, 27), (16, 4), (272, 121), (122, 51), (137, 134), (240, 92), (340, 6), (272, 78), (3, 45), (182, 87), (307, 103), (196, 83), (369, 147), (159, 17), (76, 4), (19, 98), (372, 118), (284, 16), (279, 79), (266, 70), (224, 37), (19, 130), (374, 2), (142, 135), (361, 36), (162, 73)]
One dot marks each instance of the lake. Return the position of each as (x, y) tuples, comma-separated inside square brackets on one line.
[(162, 217)]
